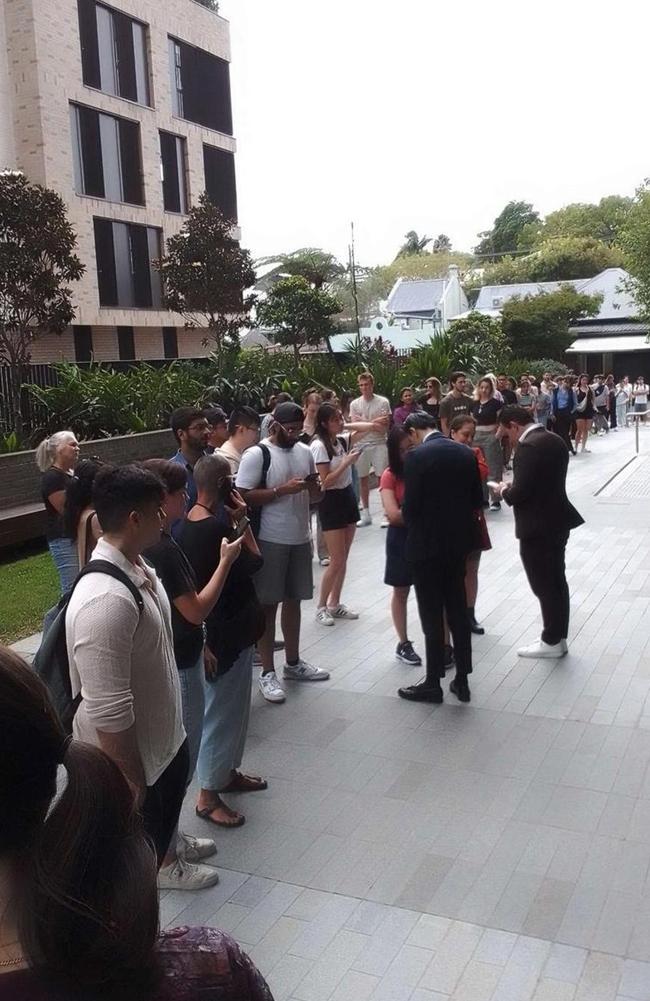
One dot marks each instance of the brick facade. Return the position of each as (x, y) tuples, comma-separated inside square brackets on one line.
[(40, 75)]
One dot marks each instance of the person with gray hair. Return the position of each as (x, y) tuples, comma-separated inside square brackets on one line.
[(56, 457)]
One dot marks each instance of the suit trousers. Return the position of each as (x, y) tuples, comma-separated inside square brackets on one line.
[(439, 588), (562, 427), (543, 561)]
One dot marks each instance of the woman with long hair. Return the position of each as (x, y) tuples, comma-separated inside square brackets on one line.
[(398, 571), (485, 410), (79, 518), (585, 410), (338, 510), (462, 429), (56, 457), (78, 898), (431, 402)]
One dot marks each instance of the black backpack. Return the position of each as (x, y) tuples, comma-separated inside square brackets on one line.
[(255, 513), (52, 663)]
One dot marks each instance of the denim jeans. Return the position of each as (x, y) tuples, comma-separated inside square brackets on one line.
[(66, 561), (225, 725), (193, 701)]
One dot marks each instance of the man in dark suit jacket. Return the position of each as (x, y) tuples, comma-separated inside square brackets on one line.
[(442, 496), (544, 516)]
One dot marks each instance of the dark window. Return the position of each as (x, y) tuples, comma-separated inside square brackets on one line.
[(174, 173), (126, 343), (83, 343), (113, 52), (170, 342), (219, 166), (125, 272), (200, 84), (106, 152)]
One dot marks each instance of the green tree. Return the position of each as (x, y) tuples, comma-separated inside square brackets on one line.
[(586, 220), (206, 274), (317, 266), (478, 343), (441, 243), (298, 313), (538, 326), (561, 259), (414, 244), (37, 265), (504, 237), (635, 242)]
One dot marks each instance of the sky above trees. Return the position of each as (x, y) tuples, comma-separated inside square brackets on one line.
[(429, 116)]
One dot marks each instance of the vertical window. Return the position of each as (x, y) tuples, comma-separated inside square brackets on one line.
[(106, 154), (200, 84), (173, 172), (219, 166), (126, 343), (113, 52), (126, 275), (170, 342), (83, 343)]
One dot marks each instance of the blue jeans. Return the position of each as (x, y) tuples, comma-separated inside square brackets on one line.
[(225, 724), (193, 701), (66, 561)]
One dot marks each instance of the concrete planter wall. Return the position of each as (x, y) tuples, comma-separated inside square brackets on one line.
[(20, 478)]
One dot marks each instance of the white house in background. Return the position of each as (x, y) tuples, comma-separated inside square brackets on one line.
[(492, 298), (427, 304)]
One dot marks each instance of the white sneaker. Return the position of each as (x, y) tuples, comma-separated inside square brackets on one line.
[(271, 688), (192, 849), (324, 617), (544, 651), (325, 561), (182, 875), (365, 518), (302, 671), (384, 523), (342, 612)]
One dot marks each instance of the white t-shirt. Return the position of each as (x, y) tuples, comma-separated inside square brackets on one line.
[(362, 409), (285, 519), (319, 453), (640, 393)]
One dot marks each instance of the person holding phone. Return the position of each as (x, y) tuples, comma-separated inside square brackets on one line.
[(339, 511), (233, 627)]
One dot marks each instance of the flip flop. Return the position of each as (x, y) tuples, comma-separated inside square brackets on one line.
[(245, 783), (206, 815)]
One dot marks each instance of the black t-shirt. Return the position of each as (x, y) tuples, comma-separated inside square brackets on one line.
[(52, 481), (175, 571), (433, 409), (509, 397), (486, 414), (237, 620)]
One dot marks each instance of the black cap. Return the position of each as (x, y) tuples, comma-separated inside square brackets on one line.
[(288, 413), (215, 415)]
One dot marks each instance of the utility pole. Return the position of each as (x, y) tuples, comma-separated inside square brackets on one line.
[(353, 278)]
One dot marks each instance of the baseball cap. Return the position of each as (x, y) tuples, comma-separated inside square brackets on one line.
[(288, 413)]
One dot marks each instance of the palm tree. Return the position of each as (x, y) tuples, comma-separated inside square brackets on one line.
[(414, 244)]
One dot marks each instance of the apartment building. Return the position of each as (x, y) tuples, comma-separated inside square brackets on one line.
[(124, 108)]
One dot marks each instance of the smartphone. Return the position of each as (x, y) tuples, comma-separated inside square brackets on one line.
[(311, 478), (362, 446), (240, 528)]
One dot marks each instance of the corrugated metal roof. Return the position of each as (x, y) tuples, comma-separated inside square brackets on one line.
[(591, 329), (421, 296)]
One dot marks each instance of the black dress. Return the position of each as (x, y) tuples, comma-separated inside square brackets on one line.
[(588, 412)]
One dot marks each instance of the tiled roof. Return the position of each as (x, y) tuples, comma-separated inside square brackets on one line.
[(421, 296)]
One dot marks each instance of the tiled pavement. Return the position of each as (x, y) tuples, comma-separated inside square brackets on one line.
[(492, 852)]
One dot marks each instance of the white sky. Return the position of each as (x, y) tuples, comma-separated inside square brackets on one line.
[(430, 115)]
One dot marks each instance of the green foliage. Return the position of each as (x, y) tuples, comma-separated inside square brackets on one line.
[(432, 359), (10, 443), (507, 229), (441, 243), (517, 367), (28, 587), (205, 275), (315, 265), (635, 242), (561, 259), (210, 4), (298, 313), (478, 343), (37, 267), (413, 244), (537, 326), (602, 222)]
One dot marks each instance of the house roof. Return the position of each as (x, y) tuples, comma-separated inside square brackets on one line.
[(490, 293), (593, 328), (416, 297), (618, 304), (607, 345)]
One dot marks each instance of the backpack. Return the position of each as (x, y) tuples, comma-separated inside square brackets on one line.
[(255, 513), (51, 662)]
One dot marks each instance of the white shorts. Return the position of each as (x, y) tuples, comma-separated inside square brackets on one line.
[(375, 456)]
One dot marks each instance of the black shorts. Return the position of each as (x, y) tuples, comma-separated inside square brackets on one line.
[(338, 509), (398, 570)]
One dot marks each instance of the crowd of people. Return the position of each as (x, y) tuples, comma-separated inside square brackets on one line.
[(173, 571)]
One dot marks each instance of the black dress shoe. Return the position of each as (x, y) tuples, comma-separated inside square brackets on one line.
[(421, 693), (476, 628), (460, 689)]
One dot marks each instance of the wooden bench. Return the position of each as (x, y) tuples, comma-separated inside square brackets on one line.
[(22, 523)]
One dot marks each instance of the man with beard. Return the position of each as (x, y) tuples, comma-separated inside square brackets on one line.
[(279, 476), (191, 430)]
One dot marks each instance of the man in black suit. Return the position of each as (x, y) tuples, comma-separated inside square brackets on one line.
[(442, 496), (544, 516)]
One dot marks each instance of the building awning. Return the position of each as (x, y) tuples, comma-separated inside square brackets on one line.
[(608, 345)]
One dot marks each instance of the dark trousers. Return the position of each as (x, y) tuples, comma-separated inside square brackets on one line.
[(163, 801), (562, 427), (440, 587), (543, 561)]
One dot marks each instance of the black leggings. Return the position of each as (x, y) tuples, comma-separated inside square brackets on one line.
[(163, 801)]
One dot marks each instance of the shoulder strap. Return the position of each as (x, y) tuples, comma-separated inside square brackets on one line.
[(266, 463), (343, 442), (105, 567)]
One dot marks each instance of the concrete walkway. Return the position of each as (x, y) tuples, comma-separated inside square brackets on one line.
[(492, 852)]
